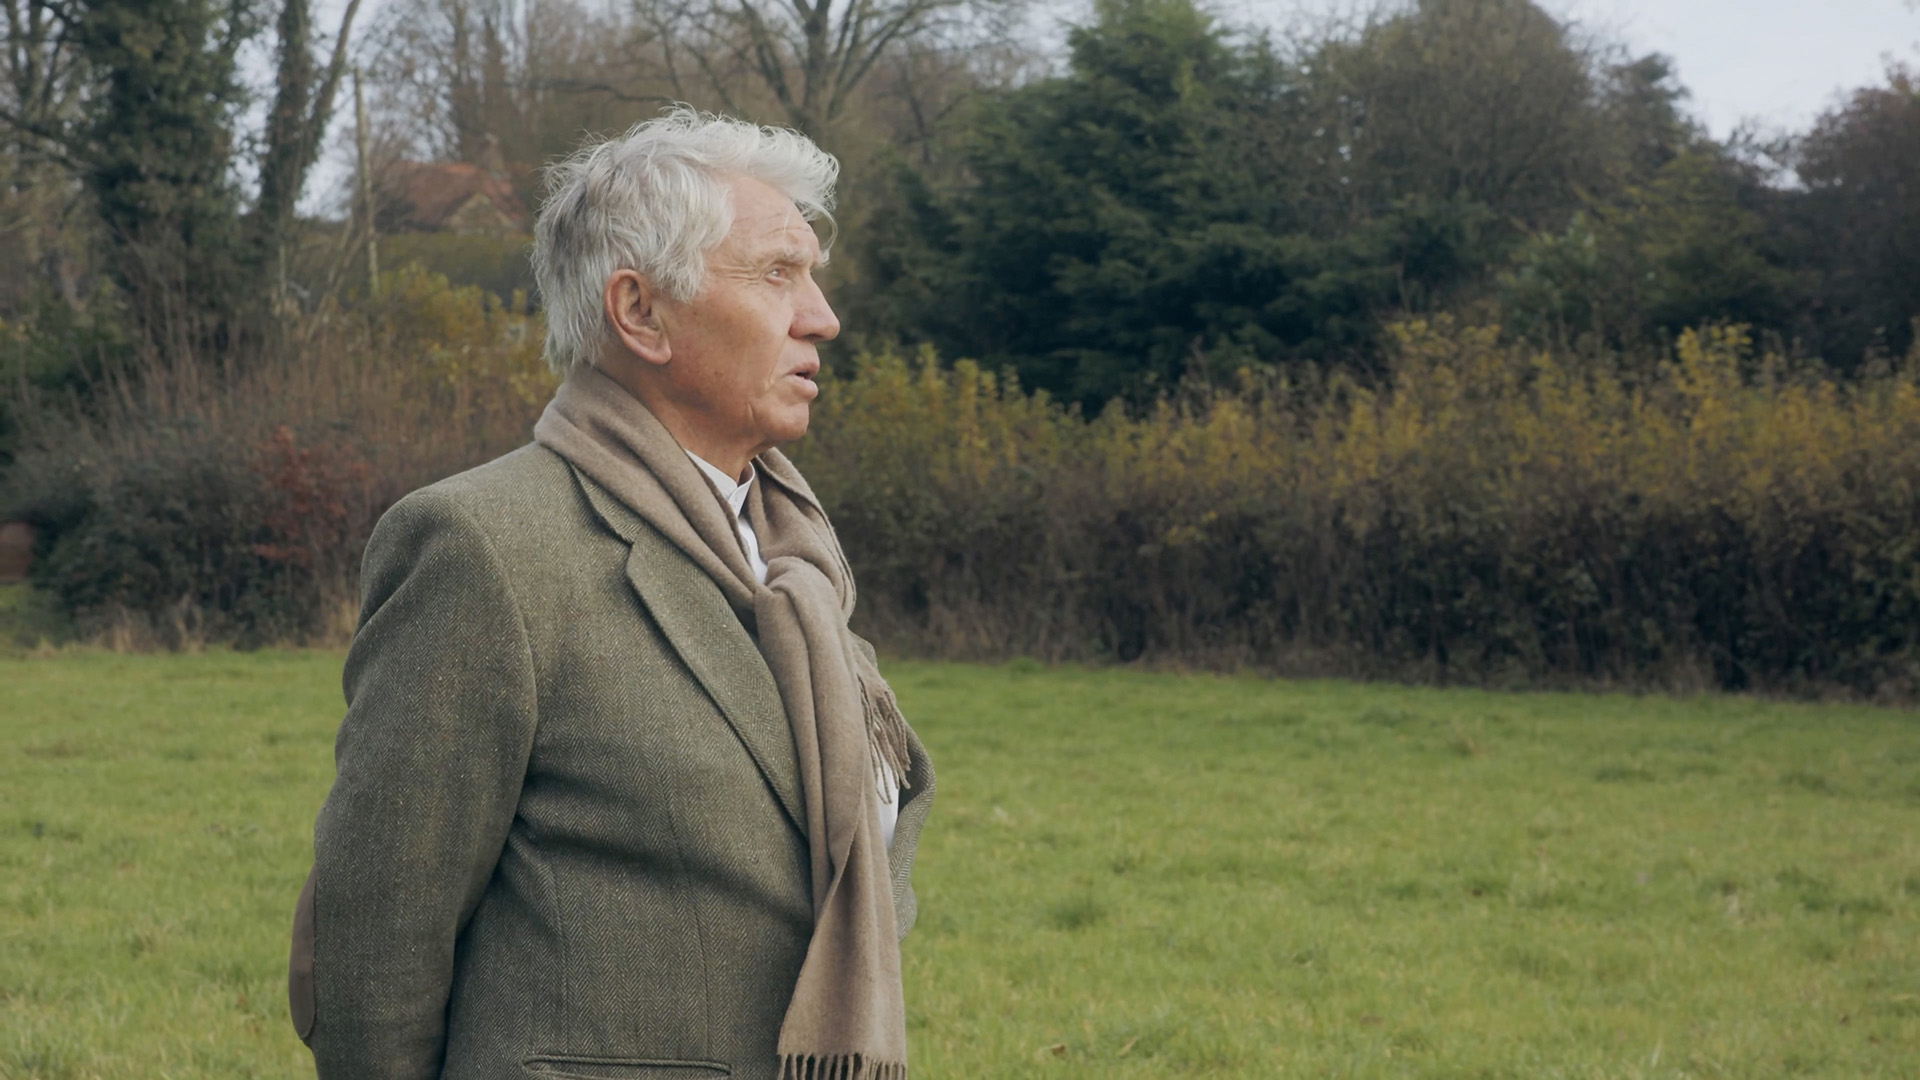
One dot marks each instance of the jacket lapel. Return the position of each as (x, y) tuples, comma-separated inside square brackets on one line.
[(703, 629)]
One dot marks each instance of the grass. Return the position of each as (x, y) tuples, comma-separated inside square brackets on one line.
[(1127, 875), (29, 618)]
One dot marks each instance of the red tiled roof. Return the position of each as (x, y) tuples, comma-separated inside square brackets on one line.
[(435, 192)]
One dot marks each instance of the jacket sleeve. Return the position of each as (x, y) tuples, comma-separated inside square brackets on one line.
[(430, 757)]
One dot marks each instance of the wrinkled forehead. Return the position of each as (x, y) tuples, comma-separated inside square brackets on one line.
[(765, 220)]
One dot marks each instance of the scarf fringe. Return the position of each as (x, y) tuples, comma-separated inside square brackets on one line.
[(886, 727), (839, 1067)]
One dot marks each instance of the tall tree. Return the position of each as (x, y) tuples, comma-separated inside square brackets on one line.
[(41, 74), (1861, 165), (158, 155), (1486, 101), (1688, 244), (1182, 201), (1641, 101), (506, 83), (1116, 236), (40, 104), (302, 106)]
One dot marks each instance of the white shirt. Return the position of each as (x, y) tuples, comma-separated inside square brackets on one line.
[(734, 494)]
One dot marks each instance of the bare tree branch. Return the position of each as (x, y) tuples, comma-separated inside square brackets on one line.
[(298, 121), (40, 65), (808, 55), (594, 86), (336, 67), (66, 144)]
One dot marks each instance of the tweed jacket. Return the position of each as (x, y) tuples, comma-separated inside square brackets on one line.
[(566, 835)]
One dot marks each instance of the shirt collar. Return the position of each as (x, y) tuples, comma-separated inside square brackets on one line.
[(732, 492)]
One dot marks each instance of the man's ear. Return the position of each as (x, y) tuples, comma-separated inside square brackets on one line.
[(632, 308)]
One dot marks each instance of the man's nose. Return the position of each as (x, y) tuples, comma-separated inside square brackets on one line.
[(815, 320)]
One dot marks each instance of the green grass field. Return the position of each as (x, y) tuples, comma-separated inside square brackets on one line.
[(1127, 874)]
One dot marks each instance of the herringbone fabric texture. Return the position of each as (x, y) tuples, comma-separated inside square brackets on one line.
[(847, 1019), (566, 839)]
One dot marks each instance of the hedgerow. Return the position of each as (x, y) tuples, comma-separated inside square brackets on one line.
[(1486, 512)]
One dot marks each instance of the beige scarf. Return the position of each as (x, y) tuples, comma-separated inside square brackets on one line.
[(846, 1020)]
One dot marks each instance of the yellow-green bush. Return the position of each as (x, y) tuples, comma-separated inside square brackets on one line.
[(498, 264), (1488, 513)]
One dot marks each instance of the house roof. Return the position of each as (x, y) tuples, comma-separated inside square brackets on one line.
[(455, 196)]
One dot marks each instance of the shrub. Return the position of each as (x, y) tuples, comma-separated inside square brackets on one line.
[(1488, 513), (185, 504), (498, 264)]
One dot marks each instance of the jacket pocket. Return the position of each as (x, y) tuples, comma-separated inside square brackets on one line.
[(592, 1068), (300, 965)]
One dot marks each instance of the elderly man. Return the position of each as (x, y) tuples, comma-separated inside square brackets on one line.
[(619, 794)]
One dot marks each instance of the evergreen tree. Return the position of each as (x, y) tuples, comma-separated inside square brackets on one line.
[(1184, 202), (1861, 215), (158, 157)]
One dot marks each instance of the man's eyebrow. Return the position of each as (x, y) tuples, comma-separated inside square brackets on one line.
[(797, 256)]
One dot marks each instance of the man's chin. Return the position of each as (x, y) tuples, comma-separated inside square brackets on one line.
[(790, 429)]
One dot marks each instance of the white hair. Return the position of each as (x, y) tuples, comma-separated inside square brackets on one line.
[(656, 200)]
